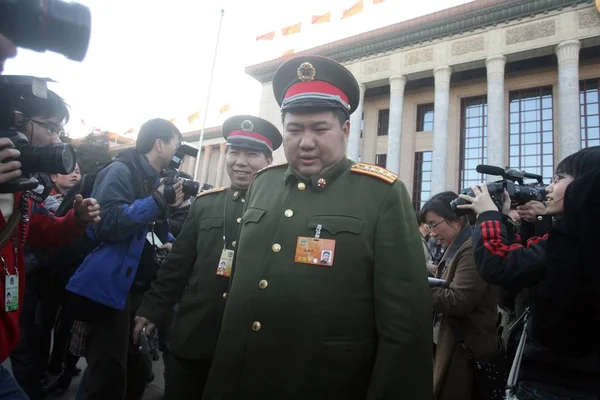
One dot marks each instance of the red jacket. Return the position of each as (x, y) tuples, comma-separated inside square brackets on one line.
[(44, 231)]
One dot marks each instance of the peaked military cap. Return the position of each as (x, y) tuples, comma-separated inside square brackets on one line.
[(252, 133), (313, 81)]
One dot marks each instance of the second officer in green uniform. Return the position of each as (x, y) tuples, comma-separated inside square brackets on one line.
[(196, 273)]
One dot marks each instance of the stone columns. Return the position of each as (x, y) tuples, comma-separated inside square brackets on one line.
[(221, 165), (440, 128), (205, 161), (496, 114), (569, 126), (397, 83), (353, 149)]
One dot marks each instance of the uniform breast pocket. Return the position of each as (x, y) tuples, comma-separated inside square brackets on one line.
[(253, 216), (210, 223), (336, 225)]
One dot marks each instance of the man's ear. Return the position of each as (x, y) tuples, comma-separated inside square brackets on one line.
[(53, 177), (158, 145), (269, 160)]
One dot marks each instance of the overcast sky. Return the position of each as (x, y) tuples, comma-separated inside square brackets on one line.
[(152, 58)]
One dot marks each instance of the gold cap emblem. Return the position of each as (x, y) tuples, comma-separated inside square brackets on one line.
[(306, 72), (247, 126)]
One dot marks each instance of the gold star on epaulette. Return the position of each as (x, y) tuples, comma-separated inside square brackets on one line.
[(374, 170), (215, 190)]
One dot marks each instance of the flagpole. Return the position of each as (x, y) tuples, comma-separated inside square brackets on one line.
[(212, 71)]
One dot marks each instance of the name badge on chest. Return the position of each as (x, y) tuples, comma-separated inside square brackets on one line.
[(315, 251), (225, 263), (11, 293)]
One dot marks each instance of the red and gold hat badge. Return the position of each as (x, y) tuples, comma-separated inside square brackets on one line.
[(306, 72)]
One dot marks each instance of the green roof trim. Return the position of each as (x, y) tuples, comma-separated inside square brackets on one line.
[(453, 21)]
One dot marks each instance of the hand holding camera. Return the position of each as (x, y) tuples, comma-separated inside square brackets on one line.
[(480, 202), (171, 192), (12, 169)]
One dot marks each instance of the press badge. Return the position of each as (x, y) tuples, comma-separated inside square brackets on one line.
[(315, 251), (11, 293), (225, 263)]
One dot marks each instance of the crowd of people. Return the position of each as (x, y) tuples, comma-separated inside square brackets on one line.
[(303, 280)]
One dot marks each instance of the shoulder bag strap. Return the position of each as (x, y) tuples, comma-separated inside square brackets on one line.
[(7, 232)]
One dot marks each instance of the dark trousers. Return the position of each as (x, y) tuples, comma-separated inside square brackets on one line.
[(30, 358), (185, 378), (116, 370)]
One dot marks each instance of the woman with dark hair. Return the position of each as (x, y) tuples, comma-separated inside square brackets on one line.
[(562, 351), (465, 307)]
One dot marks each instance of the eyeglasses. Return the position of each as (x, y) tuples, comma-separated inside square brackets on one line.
[(50, 127), (433, 226)]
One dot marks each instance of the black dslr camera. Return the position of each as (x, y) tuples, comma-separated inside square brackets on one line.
[(50, 159), (513, 183), (54, 25), (171, 174)]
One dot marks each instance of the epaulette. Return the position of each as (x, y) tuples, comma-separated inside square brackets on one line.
[(215, 190), (374, 170), (271, 167)]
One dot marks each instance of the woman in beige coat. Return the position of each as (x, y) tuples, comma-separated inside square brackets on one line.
[(466, 302)]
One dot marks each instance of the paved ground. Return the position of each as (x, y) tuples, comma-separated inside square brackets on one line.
[(154, 391)]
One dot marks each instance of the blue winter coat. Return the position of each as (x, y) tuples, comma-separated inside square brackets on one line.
[(107, 273)]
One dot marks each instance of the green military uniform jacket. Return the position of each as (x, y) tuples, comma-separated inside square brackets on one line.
[(358, 329), (189, 276)]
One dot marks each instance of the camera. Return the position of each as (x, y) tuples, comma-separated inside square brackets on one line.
[(50, 159), (148, 344), (55, 25), (171, 174), (512, 181)]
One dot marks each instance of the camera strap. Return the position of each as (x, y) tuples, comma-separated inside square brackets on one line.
[(7, 233)]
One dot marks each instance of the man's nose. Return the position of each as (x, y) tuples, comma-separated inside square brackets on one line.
[(307, 142)]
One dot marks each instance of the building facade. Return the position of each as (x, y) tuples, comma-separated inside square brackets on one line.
[(503, 82)]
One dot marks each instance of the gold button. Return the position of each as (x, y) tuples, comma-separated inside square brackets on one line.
[(301, 186), (239, 220), (263, 284), (256, 326), (236, 194), (288, 213), (233, 244), (225, 295), (276, 248)]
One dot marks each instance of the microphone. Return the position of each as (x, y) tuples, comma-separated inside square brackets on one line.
[(490, 170)]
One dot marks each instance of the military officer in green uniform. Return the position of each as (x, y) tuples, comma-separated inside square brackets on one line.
[(329, 297), (196, 273)]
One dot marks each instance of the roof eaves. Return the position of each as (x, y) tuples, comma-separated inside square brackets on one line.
[(452, 21)]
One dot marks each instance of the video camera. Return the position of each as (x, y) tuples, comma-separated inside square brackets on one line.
[(171, 174), (54, 25), (50, 159), (512, 181)]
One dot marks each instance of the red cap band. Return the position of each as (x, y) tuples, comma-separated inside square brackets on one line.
[(315, 87), (253, 135)]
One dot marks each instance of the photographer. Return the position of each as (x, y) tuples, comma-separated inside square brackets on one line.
[(38, 228), (465, 307), (561, 356), (108, 284)]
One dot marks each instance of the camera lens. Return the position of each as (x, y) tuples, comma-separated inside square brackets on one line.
[(67, 29), (190, 187), (51, 159)]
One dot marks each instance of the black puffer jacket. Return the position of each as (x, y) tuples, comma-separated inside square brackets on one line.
[(563, 346)]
